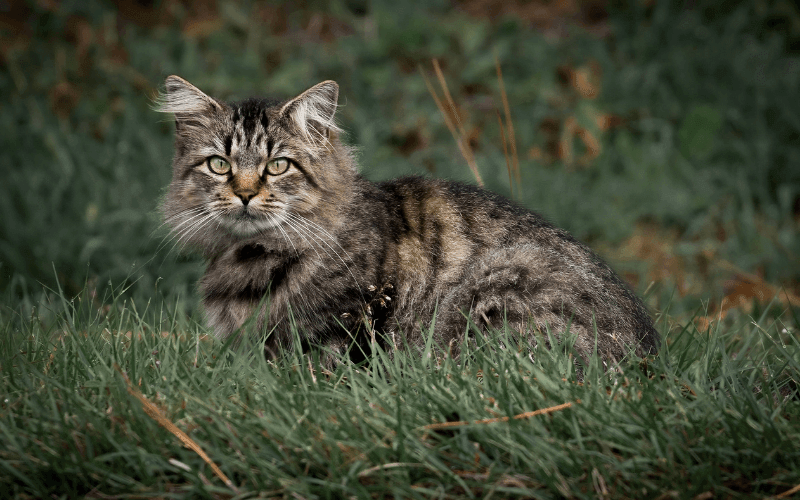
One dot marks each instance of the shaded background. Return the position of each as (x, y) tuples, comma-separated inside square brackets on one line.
[(665, 134)]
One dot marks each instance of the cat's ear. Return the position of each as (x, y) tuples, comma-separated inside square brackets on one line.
[(184, 100), (312, 111)]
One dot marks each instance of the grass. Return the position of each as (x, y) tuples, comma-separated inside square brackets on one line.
[(668, 141), (85, 404)]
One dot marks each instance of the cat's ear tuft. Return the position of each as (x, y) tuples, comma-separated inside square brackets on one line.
[(183, 99), (313, 110)]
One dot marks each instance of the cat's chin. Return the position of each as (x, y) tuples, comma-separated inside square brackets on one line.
[(247, 227)]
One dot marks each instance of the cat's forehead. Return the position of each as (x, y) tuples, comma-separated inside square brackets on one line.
[(254, 106), (247, 113)]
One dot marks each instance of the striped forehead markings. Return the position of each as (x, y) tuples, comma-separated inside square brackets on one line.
[(239, 139), (264, 121), (252, 112), (246, 116), (228, 144)]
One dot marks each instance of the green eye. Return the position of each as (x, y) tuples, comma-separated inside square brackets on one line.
[(219, 165), (278, 166)]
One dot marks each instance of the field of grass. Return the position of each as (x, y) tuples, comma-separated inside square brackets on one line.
[(665, 136), (103, 403)]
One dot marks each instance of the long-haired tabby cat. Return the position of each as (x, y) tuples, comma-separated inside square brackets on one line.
[(297, 240)]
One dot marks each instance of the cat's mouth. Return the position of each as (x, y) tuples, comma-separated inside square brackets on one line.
[(246, 223), (244, 215)]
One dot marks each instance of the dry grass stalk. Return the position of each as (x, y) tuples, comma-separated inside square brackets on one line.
[(788, 493), (311, 371), (505, 154), (154, 413), (507, 480), (456, 129), (527, 414), (509, 125), (393, 465)]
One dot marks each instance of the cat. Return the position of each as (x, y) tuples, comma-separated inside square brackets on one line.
[(296, 240)]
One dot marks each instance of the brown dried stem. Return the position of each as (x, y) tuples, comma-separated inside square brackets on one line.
[(154, 413), (505, 154), (788, 493), (456, 129), (510, 127), (528, 414)]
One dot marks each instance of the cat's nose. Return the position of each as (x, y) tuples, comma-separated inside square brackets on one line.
[(246, 196)]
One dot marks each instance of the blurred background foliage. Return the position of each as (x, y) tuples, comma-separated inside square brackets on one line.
[(665, 134)]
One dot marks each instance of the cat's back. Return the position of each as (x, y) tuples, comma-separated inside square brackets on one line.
[(462, 248), (448, 214)]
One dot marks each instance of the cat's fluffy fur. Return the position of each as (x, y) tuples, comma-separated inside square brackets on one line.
[(322, 249)]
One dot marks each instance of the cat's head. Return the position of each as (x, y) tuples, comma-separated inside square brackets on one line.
[(247, 169)]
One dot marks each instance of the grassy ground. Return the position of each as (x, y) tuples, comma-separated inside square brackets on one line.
[(665, 136), (103, 403)]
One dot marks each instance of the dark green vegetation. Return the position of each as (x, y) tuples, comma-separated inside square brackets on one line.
[(669, 139)]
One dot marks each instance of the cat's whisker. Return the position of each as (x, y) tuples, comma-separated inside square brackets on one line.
[(178, 229), (324, 232), (187, 223), (189, 211), (189, 234), (310, 225), (176, 238), (302, 220), (311, 245), (277, 222), (202, 223), (295, 223), (188, 220), (187, 215), (170, 218), (302, 231), (314, 243), (190, 231)]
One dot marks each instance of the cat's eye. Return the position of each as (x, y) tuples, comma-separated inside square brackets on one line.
[(278, 166), (219, 165)]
